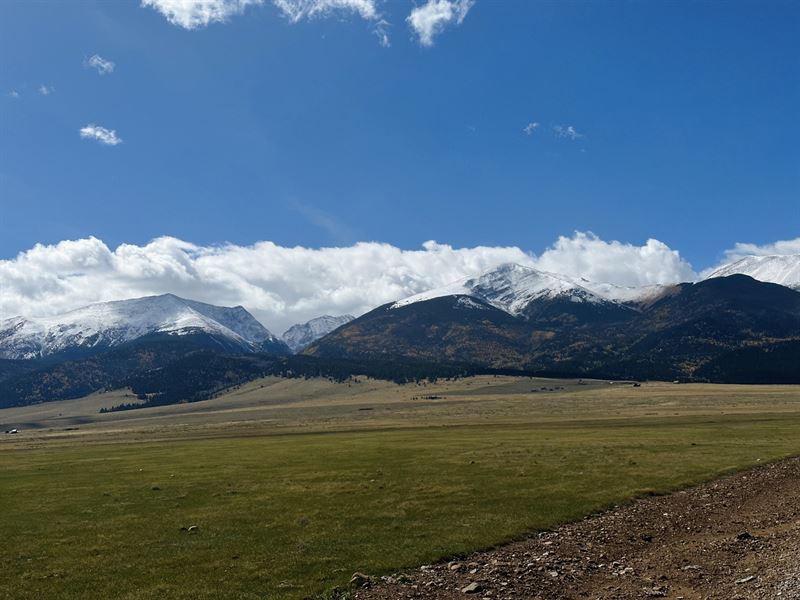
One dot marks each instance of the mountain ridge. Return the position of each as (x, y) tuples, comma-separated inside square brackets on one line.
[(783, 269), (300, 335), (104, 325)]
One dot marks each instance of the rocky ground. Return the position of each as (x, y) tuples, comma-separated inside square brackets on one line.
[(736, 537)]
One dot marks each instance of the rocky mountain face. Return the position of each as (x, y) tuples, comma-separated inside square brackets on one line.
[(299, 336)]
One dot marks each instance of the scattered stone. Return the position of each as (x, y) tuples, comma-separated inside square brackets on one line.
[(472, 588), (747, 579), (360, 580)]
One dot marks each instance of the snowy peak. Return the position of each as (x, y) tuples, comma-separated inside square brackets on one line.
[(109, 324), (299, 336), (783, 269), (512, 288)]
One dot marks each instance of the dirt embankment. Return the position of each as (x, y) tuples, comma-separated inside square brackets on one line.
[(737, 537)]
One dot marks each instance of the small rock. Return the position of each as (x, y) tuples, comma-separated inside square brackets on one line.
[(472, 588), (747, 579), (359, 580), (191, 528)]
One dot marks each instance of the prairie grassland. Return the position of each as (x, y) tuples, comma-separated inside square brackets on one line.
[(293, 486)]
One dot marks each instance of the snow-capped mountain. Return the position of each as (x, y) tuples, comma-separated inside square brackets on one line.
[(513, 288), (297, 337), (781, 269), (510, 287), (109, 324)]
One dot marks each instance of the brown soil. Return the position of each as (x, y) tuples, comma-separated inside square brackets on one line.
[(736, 537)]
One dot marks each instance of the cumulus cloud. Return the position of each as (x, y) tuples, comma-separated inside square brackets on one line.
[(741, 249), (531, 128), (282, 286), (191, 14), (585, 255), (102, 135), (567, 132), (45, 90), (430, 19), (100, 64)]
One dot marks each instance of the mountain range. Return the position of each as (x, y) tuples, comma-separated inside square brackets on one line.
[(106, 325), (518, 317), (741, 323)]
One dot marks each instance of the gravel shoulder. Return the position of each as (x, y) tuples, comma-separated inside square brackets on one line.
[(735, 537)]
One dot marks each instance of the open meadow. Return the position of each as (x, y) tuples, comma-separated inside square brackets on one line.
[(283, 488)]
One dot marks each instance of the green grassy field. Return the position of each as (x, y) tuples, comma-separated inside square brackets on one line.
[(291, 515)]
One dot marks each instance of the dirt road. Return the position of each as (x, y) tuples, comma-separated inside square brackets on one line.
[(736, 537)]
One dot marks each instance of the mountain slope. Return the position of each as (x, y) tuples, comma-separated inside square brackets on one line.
[(781, 269), (98, 327), (298, 336), (445, 329), (709, 322)]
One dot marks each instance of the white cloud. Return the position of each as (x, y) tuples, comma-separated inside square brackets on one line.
[(297, 10), (101, 134), (430, 19), (530, 128), (103, 66), (741, 249), (586, 255), (283, 286), (567, 131), (13, 94), (381, 30), (191, 14), (45, 90)]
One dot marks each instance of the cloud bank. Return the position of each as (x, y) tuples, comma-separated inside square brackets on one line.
[(741, 250), (282, 286), (586, 255)]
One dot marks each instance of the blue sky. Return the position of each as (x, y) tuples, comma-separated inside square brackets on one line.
[(312, 133)]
